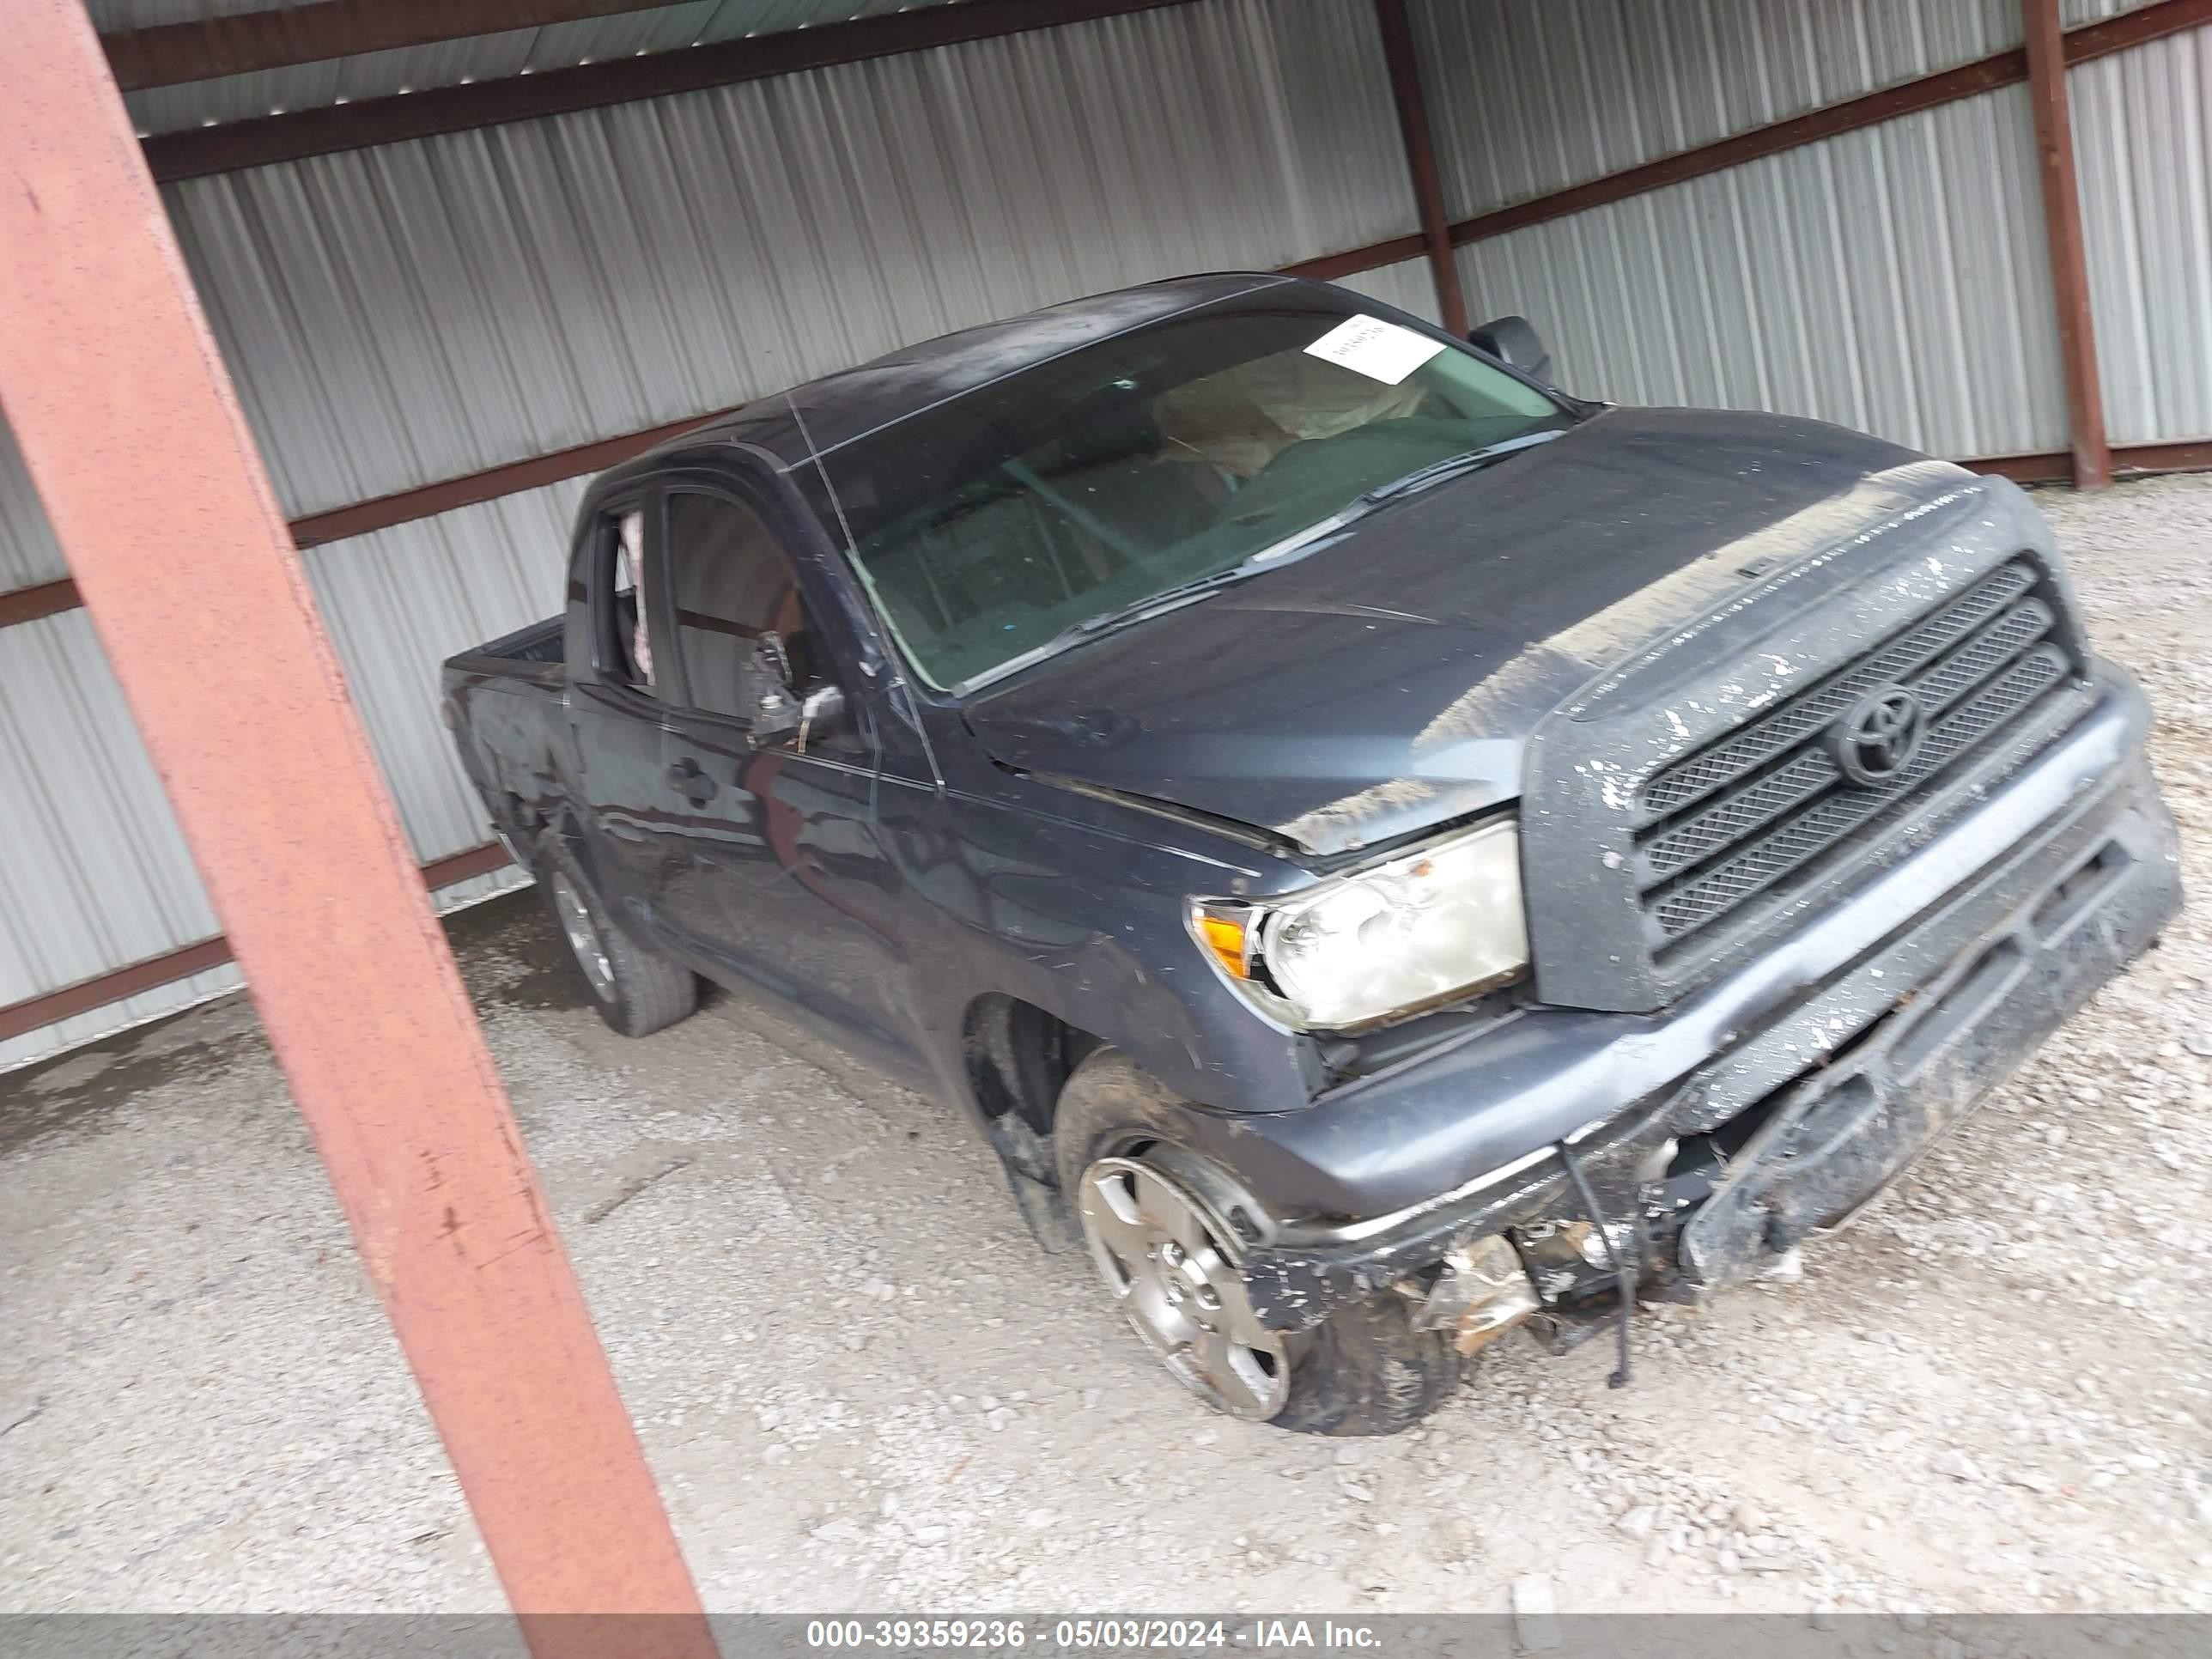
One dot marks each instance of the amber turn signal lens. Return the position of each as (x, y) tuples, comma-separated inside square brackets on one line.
[(1225, 938)]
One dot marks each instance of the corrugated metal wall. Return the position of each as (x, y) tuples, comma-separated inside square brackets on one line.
[(28, 555), (95, 874), (1525, 99), (1894, 278), (1408, 286), (2145, 161), (398, 316), (1528, 99)]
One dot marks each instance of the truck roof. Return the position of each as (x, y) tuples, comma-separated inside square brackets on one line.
[(855, 402)]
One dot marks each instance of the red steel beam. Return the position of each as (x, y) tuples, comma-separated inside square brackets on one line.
[(150, 973), (472, 489), (102, 342), (87, 995), (30, 603), (405, 506), (1907, 98), (2027, 469), (196, 151), (2143, 459), (169, 54), (2062, 224), (2128, 461), (1350, 262), (1404, 63)]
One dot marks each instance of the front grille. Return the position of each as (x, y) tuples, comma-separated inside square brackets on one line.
[(1759, 815)]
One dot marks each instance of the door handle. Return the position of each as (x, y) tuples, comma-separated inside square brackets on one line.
[(685, 778)]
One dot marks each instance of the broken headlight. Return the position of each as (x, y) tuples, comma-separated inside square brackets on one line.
[(1424, 928)]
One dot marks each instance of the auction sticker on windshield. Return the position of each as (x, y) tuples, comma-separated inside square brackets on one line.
[(1381, 351)]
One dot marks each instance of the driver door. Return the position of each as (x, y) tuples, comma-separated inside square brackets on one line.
[(781, 882)]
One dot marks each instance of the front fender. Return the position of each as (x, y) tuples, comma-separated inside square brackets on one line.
[(1088, 926)]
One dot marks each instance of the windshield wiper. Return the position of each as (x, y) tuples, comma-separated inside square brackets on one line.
[(1452, 465), (1167, 599), (1301, 542)]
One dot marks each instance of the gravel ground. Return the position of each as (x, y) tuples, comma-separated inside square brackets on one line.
[(861, 1386)]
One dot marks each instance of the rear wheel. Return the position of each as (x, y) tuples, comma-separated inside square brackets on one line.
[(1168, 1232), (636, 991)]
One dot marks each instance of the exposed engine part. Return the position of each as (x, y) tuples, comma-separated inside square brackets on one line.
[(1564, 1257), (1619, 1235), (1482, 1292), (1660, 1158)]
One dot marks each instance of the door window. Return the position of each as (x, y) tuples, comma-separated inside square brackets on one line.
[(625, 652), (741, 626)]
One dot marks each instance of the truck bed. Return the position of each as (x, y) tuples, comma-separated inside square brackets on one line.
[(535, 653), (505, 702)]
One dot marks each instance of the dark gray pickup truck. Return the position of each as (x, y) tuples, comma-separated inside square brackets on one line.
[(1387, 853)]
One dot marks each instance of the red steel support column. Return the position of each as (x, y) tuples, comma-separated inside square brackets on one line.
[(146, 467), (1405, 68), (2061, 219)]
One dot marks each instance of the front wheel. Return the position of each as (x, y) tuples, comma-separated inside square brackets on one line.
[(1176, 1272), (1168, 1232)]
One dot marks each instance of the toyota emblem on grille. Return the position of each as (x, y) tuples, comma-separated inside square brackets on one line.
[(1880, 736)]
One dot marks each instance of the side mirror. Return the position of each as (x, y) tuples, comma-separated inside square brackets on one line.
[(779, 717), (775, 713), (823, 714), (779, 714), (1515, 343)]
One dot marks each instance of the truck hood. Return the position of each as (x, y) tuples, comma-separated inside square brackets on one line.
[(1388, 681)]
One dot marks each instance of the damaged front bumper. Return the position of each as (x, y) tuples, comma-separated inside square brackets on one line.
[(1776, 1127)]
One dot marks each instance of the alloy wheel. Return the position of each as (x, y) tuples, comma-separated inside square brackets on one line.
[(1177, 1271), (583, 936)]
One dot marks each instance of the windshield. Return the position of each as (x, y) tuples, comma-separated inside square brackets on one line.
[(989, 526)]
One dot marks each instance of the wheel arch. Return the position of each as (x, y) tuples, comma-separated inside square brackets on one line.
[(1016, 1058)]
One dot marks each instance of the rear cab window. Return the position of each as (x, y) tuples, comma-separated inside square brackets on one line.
[(620, 580)]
